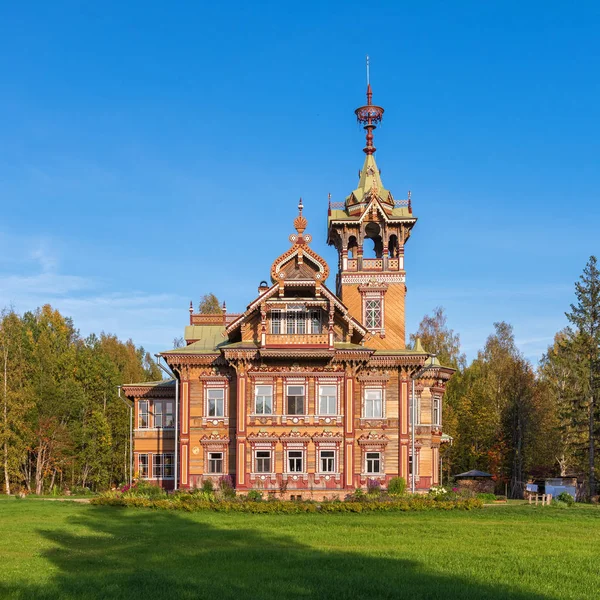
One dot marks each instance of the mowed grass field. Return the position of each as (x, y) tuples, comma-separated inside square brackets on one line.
[(68, 550)]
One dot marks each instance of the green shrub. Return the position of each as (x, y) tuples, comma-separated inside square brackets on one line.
[(208, 486), (487, 498), (254, 496), (194, 504), (565, 498), (143, 489), (396, 486), (226, 487)]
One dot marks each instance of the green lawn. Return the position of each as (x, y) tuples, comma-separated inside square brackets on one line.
[(68, 550)]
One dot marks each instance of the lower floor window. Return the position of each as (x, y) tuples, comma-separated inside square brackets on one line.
[(327, 461), (263, 461), (373, 461), (295, 461), (143, 466), (413, 464), (215, 462), (162, 466)]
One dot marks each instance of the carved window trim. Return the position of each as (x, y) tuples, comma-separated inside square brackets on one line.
[(212, 385), (368, 456), (258, 385), (367, 389)]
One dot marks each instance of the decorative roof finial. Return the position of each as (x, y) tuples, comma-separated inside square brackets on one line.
[(300, 222), (369, 115)]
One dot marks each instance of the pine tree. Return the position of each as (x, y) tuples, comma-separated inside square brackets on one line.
[(585, 316)]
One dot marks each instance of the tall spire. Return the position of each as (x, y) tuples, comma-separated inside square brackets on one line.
[(369, 115)]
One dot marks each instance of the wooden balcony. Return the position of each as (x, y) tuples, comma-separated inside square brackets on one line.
[(373, 265), (309, 339)]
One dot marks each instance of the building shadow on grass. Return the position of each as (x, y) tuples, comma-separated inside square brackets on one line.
[(143, 555)]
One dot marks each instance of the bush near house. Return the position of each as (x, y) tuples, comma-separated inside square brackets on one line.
[(200, 501)]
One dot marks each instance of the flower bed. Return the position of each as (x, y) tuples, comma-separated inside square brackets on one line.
[(194, 503)]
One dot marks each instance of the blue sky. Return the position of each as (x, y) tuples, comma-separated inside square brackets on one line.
[(152, 152)]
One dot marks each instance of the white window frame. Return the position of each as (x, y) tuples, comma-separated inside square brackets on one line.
[(335, 399), (160, 409), (417, 463), (141, 412), (436, 413), (373, 297), (159, 462), (410, 408), (304, 401), (371, 390), (210, 460), (146, 466), (301, 458), (296, 321), (279, 320), (334, 458), (257, 395), (256, 458), (372, 458), (223, 399)]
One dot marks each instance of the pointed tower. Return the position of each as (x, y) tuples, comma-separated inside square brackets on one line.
[(369, 231)]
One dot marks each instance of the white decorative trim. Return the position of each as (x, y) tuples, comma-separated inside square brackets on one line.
[(368, 277)]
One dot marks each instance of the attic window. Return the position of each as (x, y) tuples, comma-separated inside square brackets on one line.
[(296, 321)]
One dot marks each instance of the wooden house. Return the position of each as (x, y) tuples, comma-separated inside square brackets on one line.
[(308, 391)]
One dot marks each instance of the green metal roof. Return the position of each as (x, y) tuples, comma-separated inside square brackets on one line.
[(369, 178), (349, 346), (165, 382), (208, 336), (196, 348)]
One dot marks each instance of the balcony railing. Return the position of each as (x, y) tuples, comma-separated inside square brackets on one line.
[(373, 264)]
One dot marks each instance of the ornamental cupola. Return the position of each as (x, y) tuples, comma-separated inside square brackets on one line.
[(369, 230)]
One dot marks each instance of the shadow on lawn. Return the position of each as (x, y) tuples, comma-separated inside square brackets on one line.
[(145, 555)]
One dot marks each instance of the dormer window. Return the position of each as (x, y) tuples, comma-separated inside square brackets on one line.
[(276, 319), (296, 321)]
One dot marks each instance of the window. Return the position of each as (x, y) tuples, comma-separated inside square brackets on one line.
[(436, 411), (410, 464), (315, 321), (295, 460), (163, 414), (296, 321), (263, 461), (417, 400), (275, 321), (373, 461), (143, 466), (216, 402), (263, 400), (168, 466), (327, 461), (295, 400), (327, 400), (143, 421), (215, 462), (373, 404), (373, 313), (162, 466)]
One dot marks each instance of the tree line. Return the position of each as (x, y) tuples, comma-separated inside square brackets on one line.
[(516, 420), (62, 424)]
